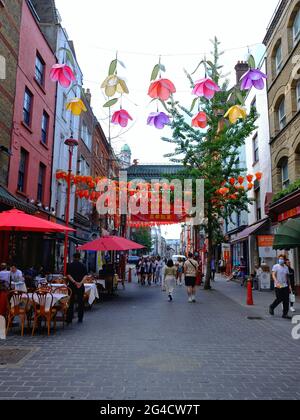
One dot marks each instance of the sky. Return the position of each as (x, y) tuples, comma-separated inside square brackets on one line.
[(140, 32)]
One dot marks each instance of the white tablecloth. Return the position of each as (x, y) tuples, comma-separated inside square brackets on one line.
[(101, 282), (19, 287), (56, 298), (90, 289)]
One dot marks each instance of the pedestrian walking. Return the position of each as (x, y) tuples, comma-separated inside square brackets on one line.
[(77, 275), (159, 270), (191, 268), (292, 282), (213, 269), (170, 279), (280, 274), (180, 269)]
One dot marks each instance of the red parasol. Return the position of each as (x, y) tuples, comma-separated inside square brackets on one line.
[(111, 243), (18, 221)]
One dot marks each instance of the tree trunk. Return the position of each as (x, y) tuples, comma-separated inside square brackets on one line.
[(207, 285)]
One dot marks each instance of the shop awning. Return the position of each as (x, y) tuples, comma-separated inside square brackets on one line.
[(10, 201), (250, 230), (288, 235)]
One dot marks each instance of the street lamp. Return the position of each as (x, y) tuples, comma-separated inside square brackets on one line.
[(71, 143)]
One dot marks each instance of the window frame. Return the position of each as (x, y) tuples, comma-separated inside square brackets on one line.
[(27, 112), (255, 149), (278, 65), (22, 171), (38, 74), (281, 118), (258, 207), (285, 182), (41, 183), (298, 95), (296, 36), (45, 132)]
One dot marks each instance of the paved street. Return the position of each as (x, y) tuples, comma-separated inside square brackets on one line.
[(139, 346)]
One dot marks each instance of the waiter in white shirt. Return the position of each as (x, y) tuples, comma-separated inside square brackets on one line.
[(280, 274)]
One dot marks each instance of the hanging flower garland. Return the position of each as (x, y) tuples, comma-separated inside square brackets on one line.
[(112, 85), (161, 90)]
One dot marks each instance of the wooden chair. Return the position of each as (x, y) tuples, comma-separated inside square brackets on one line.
[(43, 308), (63, 305), (18, 304)]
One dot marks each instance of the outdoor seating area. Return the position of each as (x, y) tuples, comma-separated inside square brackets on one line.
[(48, 304)]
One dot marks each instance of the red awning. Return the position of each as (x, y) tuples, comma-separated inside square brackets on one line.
[(244, 235), (111, 243), (15, 220)]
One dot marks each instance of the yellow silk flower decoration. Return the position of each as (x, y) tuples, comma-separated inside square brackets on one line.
[(113, 84), (235, 113), (76, 106)]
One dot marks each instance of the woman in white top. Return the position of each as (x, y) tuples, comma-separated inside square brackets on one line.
[(170, 279)]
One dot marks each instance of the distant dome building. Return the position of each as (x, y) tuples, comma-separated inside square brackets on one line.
[(125, 156)]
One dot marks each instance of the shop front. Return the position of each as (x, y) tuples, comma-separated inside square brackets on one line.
[(245, 247), (281, 211)]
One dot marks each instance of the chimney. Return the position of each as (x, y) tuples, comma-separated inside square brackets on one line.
[(88, 96), (241, 68)]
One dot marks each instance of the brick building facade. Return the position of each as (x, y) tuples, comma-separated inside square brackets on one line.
[(10, 20)]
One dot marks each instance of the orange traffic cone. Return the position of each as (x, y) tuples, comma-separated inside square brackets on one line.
[(249, 294)]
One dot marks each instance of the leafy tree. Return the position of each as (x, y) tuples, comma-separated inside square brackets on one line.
[(143, 237), (212, 154)]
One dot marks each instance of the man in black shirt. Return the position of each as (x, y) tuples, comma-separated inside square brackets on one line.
[(76, 274), (292, 281)]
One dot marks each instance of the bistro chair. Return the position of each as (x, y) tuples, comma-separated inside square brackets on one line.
[(18, 306), (43, 308), (63, 305)]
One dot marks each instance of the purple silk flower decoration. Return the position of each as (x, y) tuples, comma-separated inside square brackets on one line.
[(158, 119), (253, 78)]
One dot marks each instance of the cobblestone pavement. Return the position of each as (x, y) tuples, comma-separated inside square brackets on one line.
[(139, 346)]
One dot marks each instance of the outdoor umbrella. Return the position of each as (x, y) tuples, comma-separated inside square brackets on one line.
[(111, 243), (18, 221), (288, 235)]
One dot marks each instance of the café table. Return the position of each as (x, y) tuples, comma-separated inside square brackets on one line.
[(56, 298), (19, 286), (90, 289)]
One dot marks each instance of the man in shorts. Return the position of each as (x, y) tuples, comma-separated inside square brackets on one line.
[(191, 268)]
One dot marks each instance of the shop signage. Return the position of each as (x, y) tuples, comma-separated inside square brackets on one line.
[(289, 214), (265, 246)]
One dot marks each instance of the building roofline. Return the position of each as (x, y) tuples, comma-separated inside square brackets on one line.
[(275, 20)]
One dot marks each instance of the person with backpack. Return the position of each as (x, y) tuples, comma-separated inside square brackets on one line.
[(191, 268)]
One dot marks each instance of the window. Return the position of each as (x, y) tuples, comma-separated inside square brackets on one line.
[(86, 135), (39, 70), (285, 174), (298, 95), (282, 115), (278, 59), (27, 107), (45, 126), (258, 204), (22, 171), (296, 28), (41, 183), (84, 167), (255, 149), (64, 105)]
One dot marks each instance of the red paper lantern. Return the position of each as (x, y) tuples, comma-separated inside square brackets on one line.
[(241, 180), (250, 178), (232, 181), (259, 176)]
